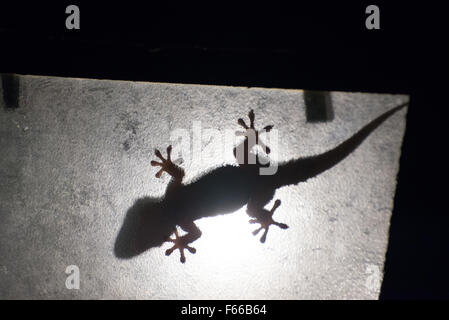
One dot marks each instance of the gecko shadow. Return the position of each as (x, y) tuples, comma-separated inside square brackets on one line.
[(150, 221)]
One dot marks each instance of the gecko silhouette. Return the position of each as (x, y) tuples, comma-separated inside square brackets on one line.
[(150, 221)]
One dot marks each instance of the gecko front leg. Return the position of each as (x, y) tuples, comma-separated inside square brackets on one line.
[(168, 166), (181, 243)]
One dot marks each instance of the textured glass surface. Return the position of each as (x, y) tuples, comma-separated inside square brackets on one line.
[(76, 156)]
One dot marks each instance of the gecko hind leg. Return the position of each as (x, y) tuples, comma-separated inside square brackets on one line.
[(265, 219), (248, 144)]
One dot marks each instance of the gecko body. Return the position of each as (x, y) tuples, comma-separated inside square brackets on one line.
[(150, 221)]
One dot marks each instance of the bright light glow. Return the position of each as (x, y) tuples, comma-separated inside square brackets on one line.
[(229, 237), (228, 246)]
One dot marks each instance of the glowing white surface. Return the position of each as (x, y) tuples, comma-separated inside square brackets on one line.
[(75, 181)]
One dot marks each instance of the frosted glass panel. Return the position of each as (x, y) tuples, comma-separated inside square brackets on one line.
[(76, 157)]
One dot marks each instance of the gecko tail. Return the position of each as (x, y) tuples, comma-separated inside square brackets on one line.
[(302, 169)]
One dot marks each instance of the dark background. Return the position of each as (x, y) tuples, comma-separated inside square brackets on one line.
[(307, 46)]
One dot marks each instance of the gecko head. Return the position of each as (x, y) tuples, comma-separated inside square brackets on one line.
[(145, 226)]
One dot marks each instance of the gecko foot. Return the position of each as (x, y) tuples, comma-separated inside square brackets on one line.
[(266, 219), (168, 165), (181, 244), (251, 131)]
